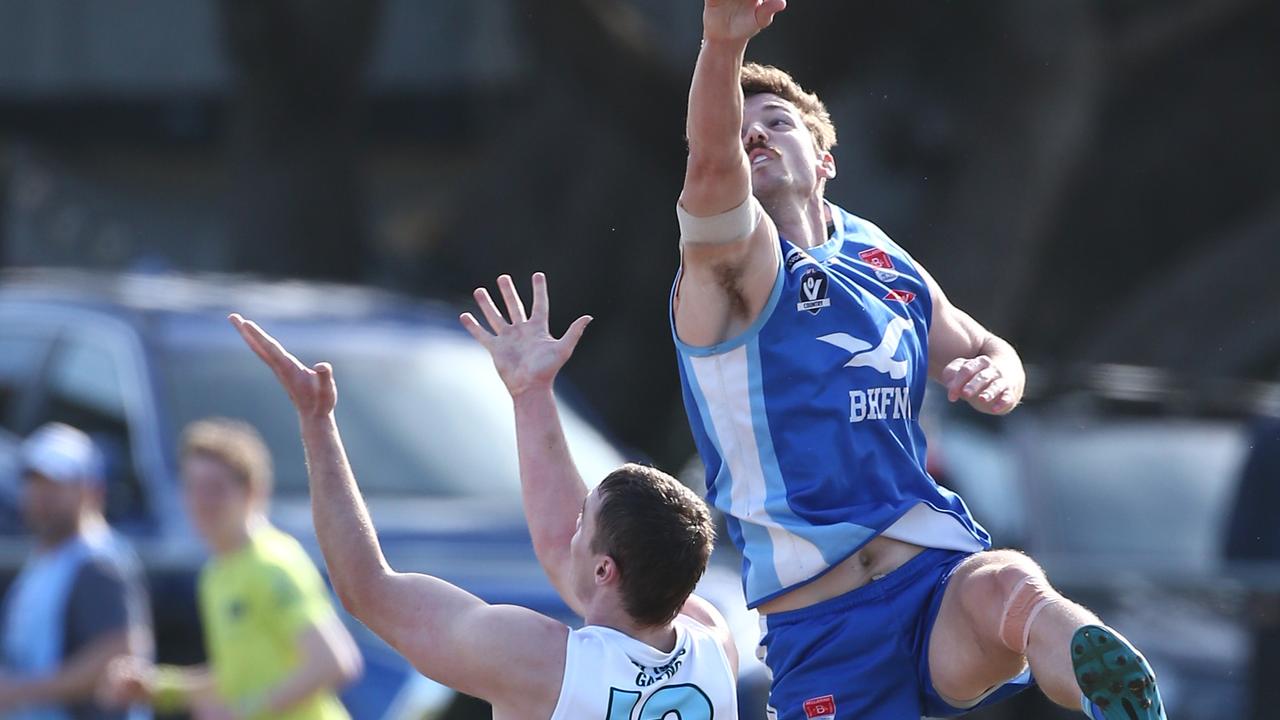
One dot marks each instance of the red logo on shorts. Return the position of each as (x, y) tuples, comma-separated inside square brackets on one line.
[(903, 296), (877, 257), (820, 708)]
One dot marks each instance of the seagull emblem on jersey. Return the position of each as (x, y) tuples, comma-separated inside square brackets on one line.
[(881, 357)]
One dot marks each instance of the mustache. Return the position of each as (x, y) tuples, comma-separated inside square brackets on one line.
[(752, 146)]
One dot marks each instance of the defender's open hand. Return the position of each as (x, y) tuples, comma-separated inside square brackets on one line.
[(523, 350), (312, 390)]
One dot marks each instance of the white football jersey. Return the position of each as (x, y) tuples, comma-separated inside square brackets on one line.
[(609, 675)]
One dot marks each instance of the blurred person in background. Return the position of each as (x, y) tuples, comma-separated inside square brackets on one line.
[(79, 602), (805, 338), (625, 556), (1253, 536), (276, 648)]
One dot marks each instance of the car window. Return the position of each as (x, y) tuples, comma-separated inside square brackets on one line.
[(83, 389), (1142, 494), (21, 354), (420, 415)]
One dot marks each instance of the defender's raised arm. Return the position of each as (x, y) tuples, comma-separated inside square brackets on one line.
[(528, 359), (510, 656)]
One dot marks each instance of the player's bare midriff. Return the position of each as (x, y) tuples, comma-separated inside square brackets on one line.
[(876, 559)]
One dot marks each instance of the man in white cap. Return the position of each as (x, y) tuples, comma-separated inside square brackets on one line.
[(78, 602)]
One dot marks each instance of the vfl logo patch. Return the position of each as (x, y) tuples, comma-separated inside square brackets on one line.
[(902, 296), (820, 708), (813, 291), (880, 260)]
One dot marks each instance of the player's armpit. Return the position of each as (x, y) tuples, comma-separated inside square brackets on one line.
[(509, 656), (723, 288)]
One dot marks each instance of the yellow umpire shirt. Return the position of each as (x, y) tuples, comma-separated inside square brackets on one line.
[(256, 603)]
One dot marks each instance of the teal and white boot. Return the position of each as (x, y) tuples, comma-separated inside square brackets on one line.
[(1116, 682)]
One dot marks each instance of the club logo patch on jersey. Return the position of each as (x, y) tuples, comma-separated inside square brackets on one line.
[(902, 296), (879, 259), (813, 291), (881, 357), (820, 708), (878, 403)]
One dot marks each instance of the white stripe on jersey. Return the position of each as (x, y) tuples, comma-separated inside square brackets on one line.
[(725, 383)]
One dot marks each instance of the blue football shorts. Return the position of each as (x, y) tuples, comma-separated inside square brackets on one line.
[(865, 654)]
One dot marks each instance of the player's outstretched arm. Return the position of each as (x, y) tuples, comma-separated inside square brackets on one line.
[(973, 363), (528, 359), (718, 177), (510, 656), (724, 234)]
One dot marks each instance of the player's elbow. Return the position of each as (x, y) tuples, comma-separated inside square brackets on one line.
[(359, 596)]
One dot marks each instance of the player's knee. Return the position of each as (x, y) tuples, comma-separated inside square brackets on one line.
[(1024, 592)]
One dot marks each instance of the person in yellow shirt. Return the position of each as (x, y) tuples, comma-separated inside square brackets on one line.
[(275, 647)]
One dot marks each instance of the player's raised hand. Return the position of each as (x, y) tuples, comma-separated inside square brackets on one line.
[(979, 382), (738, 20), (523, 350), (311, 389)]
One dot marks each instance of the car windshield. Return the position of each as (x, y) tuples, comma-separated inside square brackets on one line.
[(1168, 487), (422, 413)]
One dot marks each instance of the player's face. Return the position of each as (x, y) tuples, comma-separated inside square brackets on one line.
[(50, 508), (583, 560), (217, 501), (780, 149)]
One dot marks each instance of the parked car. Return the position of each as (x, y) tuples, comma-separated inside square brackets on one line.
[(132, 358), (1121, 484)]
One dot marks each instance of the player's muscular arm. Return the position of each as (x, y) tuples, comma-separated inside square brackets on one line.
[(528, 359), (973, 363), (512, 657), (727, 274)]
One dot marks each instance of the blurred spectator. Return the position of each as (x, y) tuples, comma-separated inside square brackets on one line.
[(79, 602), (1254, 535), (275, 646)]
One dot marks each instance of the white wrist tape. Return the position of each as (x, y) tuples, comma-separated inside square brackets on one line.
[(719, 229)]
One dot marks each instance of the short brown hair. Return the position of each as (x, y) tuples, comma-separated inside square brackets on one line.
[(236, 444), (660, 535), (759, 79)]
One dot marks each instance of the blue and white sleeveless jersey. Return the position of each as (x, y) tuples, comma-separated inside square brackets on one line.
[(808, 422)]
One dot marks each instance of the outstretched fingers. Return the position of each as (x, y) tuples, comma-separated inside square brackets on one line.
[(266, 347), (541, 302), (487, 308), (473, 326), (515, 306), (328, 388), (574, 333)]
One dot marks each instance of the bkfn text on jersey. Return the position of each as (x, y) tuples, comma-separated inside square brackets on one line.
[(880, 403)]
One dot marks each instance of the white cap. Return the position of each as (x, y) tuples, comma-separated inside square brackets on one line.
[(63, 454)]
